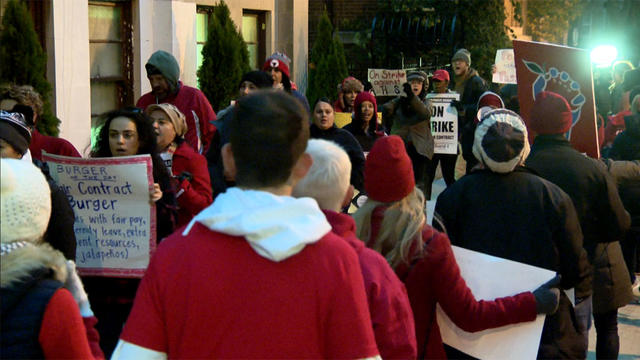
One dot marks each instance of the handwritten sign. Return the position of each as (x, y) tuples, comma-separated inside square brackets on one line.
[(115, 224), (490, 277), (565, 71), (444, 123), (341, 119), (505, 67), (386, 82)]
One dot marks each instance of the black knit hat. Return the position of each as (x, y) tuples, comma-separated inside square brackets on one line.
[(14, 130), (260, 79)]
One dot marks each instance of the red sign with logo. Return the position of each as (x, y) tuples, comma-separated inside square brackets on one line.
[(565, 71)]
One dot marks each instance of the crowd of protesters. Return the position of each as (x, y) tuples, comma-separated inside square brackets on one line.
[(261, 254)]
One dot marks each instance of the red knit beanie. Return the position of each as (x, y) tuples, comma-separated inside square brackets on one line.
[(486, 102), (550, 114), (388, 173), (362, 97), (279, 61)]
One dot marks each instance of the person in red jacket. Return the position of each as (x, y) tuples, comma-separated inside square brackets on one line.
[(392, 222), (163, 72), (189, 168), (258, 274), (45, 311), (328, 183), (11, 95)]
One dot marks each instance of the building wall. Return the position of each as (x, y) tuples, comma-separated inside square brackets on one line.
[(168, 25)]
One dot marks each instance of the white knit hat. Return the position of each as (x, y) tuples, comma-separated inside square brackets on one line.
[(500, 142), (25, 202)]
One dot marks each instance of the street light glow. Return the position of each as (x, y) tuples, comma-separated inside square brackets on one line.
[(604, 55)]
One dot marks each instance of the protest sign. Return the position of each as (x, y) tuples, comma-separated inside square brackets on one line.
[(444, 123), (490, 277), (505, 67), (115, 223), (386, 82), (566, 71), (341, 119)]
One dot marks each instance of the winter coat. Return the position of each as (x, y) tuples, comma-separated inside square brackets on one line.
[(214, 155), (626, 145), (349, 143), (434, 278), (603, 218), (389, 307), (192, 103), (195, 194), (522, 217), (473, 87), (50, 144), (410, 119), (627, 177), (40, 319)]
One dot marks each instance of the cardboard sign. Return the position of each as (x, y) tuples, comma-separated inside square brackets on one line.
[(489, 277), (566, 71), (115, 223), (386, 82), (444, 123), (341, 119), (505, 67)]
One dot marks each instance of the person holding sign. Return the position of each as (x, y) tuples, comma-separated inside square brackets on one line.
[(364, 126), (440, 81), (187, 167), (129, 132), (258, 274), (504, 210), (392, 222), (409, 116), (45, 311), (323, 127)]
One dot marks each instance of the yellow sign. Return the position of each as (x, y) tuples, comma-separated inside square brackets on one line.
[(341, 119)]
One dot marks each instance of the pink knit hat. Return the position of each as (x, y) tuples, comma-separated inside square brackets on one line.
[(388, 173)]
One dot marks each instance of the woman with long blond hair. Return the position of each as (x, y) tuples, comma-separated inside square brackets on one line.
[(392, 221)]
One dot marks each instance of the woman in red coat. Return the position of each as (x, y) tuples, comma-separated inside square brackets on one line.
[(188, 168), (392, 222)]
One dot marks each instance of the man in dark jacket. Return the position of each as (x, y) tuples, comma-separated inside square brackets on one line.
[(506, 211), (470, 86), (163, 73), (603, 218)]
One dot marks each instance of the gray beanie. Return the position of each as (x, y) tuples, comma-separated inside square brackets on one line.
[(462, 54)]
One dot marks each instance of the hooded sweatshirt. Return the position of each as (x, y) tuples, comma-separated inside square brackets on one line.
[(189, 100), (258, 217)]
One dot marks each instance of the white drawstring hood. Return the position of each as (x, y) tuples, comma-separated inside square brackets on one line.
[(276, 227)]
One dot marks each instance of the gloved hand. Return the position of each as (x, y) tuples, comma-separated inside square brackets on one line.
[(548, 296), (406, 91), (458, 105), (75, 287)]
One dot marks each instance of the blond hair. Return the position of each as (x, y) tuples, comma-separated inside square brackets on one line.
[(399, 239)]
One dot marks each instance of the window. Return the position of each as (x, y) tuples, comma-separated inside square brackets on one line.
[(253, 32), (111, 58), (203, 16)]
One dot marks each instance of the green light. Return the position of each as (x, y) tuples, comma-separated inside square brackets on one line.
[(604, 55)]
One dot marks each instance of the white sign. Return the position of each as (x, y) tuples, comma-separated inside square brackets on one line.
[(115, 223), (491, 277), (386, 82), (444, 123), (505, 67)]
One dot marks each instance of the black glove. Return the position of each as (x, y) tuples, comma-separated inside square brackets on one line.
[(185, 175), (457, 104), (407, 89), (548, 296)]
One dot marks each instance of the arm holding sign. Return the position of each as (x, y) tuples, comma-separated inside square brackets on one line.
[(436, 279)]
